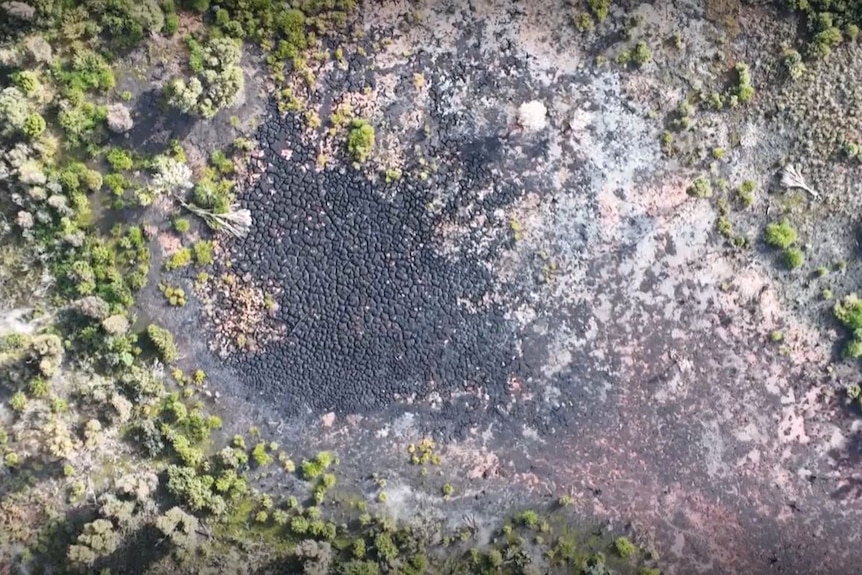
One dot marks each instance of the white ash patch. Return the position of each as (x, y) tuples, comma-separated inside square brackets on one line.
[(533, 116)]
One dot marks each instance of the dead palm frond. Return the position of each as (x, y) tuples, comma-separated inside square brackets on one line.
[(236, 221), (791, 178)]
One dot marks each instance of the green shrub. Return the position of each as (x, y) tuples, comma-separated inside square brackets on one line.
[(624, 547), (528, 518), (14, 111), (360, 140), (179, 259), (260, 456), (744, 91), (313, 468), (85, 71), (203, 251), (746, 192), (700, 188), (641, 54), (84, 123), (600, 8), (745, 94), (793, 258), (197, 5), (216, 81), (163, 341), (181, 225), (26, 80), (116, 183), (299, 525), (221, 163), (92, 180), (214, 196), (34, 125), (358, 549), (120, 160), (792, 61), (18, 401), (825, 40), (176, 296), (848, 311), (194, 490), (386, 549), (39, 388), (781, 235), (583, 21), (172, 24), (291, 24)]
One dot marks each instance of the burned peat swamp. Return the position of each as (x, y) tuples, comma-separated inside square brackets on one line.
[(417, 287)]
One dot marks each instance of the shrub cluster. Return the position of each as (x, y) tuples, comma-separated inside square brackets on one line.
[(783, 236), (360, 140), (216, 81)]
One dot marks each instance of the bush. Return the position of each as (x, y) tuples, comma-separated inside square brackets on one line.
[(14, 111), (11, 460), (34, 125), (781, 235), (180, 528), (793, 63), (360, 140), (849, 312), (83, 123), (641, 54), (528, 518), (172, 24), (97, 540), (163, 341), (746, 192), (624, 547), (86, 71), (182, 225), (825, 40), (170, 175), (203, 251), (313, 468), (119, 118), (700, 188), (793, 258), (386, 549), (119, 160), (601, 8), (19, 10), (744, 91), (221, 163), (194, 490), (116, 183), (179, 259), (260, 456), (217, 197), (217, 81), (18, 401)]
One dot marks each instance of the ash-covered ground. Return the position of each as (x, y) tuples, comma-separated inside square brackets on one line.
[(372, 311), (554, 304)]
